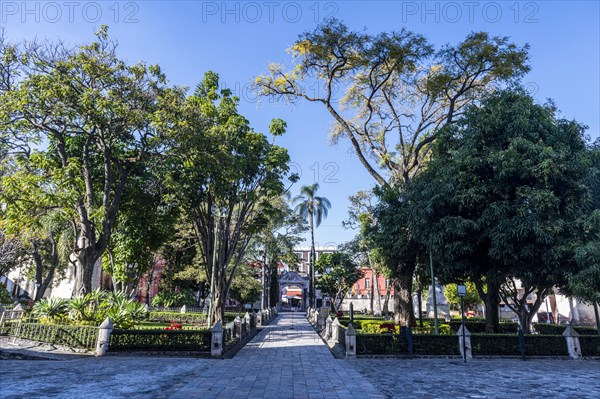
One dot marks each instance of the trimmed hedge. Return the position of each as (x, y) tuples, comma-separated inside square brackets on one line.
[(478, 327), (166, 317), (427, 344), (188, 318), (558, 329), (160, 340), (482, 345), (508, 345), (590, 345), (81, 337), (381, 344), (396, 344)]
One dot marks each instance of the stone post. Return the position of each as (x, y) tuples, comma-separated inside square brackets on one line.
[(335, 331), (308, 312), (216, 347), (328, 322), (253, 320), (104, 332), (323, 314), (573, 345), (183, 309), (350, 342), (467, 344), (237, 327), (248, 322), (259, 318)]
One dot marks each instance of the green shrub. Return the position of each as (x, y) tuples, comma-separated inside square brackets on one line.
[(429, 344), (51, 308), (92, 308), (478, 327), (590, 345), (381, 344), (160, 340), (73, 336), (166, 317), (508, 345), (174, 299), (557, 329), (5, 297)]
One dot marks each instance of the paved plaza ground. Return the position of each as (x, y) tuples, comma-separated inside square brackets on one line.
[(289, 360)]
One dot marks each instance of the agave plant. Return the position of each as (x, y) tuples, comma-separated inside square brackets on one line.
[(79, 308), (136, 311), (51, 307)]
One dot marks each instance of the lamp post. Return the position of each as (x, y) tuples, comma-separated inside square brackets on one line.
[(461, 289)]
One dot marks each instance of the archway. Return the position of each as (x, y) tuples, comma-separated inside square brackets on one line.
[(293, 291)]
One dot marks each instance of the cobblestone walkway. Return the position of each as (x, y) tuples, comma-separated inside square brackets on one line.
[(286, 360)]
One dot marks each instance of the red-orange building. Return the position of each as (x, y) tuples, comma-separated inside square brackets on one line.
[(362, 288)]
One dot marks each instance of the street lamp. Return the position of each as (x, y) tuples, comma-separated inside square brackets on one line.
[(461, 289)]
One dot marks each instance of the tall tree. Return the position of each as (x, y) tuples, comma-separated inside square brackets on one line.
[(275, 242), (398, 93), (499, 200), (222, 173), (314, 209), (338, 274), (97, 118)]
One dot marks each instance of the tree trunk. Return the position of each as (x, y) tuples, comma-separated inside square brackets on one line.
[(372, 293), (377, 309), (403, 304), (420, 305), (388, 291), (84, 270), (491, 299)]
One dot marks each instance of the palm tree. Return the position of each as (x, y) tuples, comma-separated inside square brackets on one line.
[(313, 208)]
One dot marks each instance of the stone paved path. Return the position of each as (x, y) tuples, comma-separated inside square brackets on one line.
[(286, 360), (282, 362)]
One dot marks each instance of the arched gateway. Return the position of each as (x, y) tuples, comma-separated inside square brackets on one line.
[(293, 291)]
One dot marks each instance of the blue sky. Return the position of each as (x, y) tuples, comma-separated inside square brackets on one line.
[(238, 39)]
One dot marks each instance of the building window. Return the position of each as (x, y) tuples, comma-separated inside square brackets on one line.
[(367, 283)]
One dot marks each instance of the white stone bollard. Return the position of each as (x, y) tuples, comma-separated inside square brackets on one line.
[(104, 332), (573, 345), (253, 320), (335, 331), (467, 345), (248, 321), (216, 346), (259, 318), (183, 309), (350, 342), (328, 322), (237, 327)]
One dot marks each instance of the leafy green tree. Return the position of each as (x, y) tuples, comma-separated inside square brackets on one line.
[(313, 208), (338, 273), (143, 226), (246, 286), (37, 232), (585, 284), (499, 200), (397, 95), (97, 119), (275, 242), (221, 173), (11, 251), (471, 300)]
